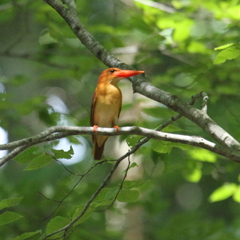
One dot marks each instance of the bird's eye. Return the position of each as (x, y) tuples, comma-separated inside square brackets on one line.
[(112, 71)]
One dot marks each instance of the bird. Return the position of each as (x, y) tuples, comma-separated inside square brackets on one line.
[(106, 105)]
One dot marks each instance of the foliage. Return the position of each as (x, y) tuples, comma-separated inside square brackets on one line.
[(47, 78)]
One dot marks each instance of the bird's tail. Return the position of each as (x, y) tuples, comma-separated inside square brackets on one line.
[(98, 151)]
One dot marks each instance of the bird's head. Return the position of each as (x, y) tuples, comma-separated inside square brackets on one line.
[(113, 75)]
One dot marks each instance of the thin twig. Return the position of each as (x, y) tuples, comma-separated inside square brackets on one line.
[(120, 187), (68, 194), (102, 186)]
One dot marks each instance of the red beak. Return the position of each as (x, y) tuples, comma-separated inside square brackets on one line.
[(127, 73)]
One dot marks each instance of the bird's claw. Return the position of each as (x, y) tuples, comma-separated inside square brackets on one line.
[(95, 127)]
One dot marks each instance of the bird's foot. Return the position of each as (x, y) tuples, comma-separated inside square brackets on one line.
[(116, 127), (95, 128)]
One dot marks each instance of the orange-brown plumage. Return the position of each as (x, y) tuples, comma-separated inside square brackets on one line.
[(107, 104)]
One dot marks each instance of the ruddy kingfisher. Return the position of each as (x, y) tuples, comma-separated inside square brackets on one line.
[(107, 104)]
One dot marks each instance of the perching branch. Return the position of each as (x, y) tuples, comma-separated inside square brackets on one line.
[(53, 134), (143, 87), (58, 132)]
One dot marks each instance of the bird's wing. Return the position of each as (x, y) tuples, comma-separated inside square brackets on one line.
[(93, 106)]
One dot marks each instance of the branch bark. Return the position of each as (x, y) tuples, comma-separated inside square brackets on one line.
[(58, 132)]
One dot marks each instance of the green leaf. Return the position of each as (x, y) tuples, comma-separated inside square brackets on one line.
[(233, 12), (10, 202), (223, 192), (195, 175), (227, 54), (224, 46), (41, 161), (63, 154), (132, 140), (182, 29), (161, 146), (197, 47), (55, 224), (27, 235), (8, 217), (28, 155), (203, 155), (128, 196), (46, 38), (133, 184), (134, 164), (236, 195), (106, 196), (86, 215), (140, 185), (166, 147)]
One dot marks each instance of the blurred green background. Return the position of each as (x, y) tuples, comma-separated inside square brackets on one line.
[(47, 78)]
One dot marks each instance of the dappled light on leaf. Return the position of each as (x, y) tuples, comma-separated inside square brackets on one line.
[(223, 192)]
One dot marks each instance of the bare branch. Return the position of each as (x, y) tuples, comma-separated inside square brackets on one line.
[(57, 132), (102, 186), (72, 189)]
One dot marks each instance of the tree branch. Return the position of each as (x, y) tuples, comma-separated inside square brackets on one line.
[(143, 87), (58, 132), (102, 186)]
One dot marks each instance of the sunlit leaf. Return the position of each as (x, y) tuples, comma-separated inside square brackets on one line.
[(194, 176), (233, 12), (182, 29), (202, 155), (197, 47), (224, 46), (223, 192), (227, 54), (236, 195)]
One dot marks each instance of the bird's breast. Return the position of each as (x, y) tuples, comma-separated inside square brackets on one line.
[(108, 105)]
